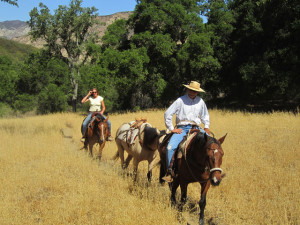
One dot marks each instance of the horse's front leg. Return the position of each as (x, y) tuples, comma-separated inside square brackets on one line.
[(152, 161), (91, 145), (121, 152), (135, 168), (149, 176), (127, 161), (183, 187), (174, 185), (101, 146), (202, 202)]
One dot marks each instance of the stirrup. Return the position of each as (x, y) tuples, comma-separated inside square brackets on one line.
[(169, 176), (109, 138)]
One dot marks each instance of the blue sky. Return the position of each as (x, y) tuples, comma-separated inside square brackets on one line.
[(105, 7)]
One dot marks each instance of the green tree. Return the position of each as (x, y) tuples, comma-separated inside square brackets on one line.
[(9, 78), (171, 36), (35, 74), (127, 71), (220, 27), (281, 25), (99, 77), (66, 35), (265, 51), (12, 2), (51, 99)]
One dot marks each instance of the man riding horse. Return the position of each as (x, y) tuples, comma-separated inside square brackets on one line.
[(190, 111)]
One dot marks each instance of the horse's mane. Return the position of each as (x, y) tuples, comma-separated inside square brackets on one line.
[(200, 140), (99, 116), (150, 134)]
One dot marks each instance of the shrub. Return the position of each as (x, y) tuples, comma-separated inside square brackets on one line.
[(25, 103), (51, 99), (5, 110)]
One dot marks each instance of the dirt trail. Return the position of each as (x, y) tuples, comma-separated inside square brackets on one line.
[(68, 137)]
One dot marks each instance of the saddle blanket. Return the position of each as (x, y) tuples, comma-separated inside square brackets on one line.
[(130, 133)]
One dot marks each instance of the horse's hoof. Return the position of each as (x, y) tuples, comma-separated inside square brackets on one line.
[(201, 221)]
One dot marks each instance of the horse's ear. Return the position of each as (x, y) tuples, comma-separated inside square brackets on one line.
[(221, 140), (157, 131), (106, 119)]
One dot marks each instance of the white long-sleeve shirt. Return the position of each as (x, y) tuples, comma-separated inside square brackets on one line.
[(188, 111)]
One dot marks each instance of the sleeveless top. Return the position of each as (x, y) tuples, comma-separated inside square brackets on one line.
[(95, 103)]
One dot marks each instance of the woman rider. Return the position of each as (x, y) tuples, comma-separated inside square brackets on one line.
[(96, 101)]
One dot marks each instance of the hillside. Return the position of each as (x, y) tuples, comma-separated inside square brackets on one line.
[(99, 28), (12, 29), (14, 50)]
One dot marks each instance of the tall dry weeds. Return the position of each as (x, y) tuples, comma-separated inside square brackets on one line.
[(46, 179)]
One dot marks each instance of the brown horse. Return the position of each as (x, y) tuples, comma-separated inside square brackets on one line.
[(97, 133), (200, 162)]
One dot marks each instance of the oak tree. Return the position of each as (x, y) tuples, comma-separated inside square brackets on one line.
[(66, 34)]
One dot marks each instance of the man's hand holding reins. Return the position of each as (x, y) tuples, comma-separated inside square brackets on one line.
[(207, 131), (177, 131)]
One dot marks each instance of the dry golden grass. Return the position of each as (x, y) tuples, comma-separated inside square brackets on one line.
[(46, 179)]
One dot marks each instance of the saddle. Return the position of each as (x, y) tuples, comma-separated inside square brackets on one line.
[(90, 125), (97, 115), (181, 150), (135, 130), (186, 143)]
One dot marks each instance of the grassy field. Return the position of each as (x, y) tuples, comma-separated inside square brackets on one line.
[(46, 179)]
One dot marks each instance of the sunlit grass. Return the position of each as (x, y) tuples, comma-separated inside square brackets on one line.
[(47, 179)]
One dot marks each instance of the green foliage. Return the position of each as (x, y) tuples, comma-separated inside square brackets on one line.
[(66, 35), (165, 32), (126, 69), (25, 103), (12, 2), (51, 99), (248, 51), (97, 77), (39, 70), (5, 110), (17, 52), (116, 34), (265, 61), (9, 79)]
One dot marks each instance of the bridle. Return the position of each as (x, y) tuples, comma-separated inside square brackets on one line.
[(215, 150), (211, 170), (101, 136)]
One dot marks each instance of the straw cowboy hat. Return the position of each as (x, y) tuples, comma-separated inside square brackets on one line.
[(195, 86)]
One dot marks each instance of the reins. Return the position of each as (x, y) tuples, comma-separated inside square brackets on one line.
[(194, 164)]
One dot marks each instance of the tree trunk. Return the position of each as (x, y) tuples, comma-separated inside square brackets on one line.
[(74, 81)]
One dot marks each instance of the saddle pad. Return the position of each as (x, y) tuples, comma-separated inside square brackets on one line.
[(129, 133)]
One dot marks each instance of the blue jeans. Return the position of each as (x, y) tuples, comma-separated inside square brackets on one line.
[(86, 121), (175, 141)]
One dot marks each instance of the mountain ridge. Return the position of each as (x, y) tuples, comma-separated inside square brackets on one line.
[(17, 30)]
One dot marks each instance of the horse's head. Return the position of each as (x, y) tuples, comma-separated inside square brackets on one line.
[(152, 136), (214, 153), (101, 128)]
